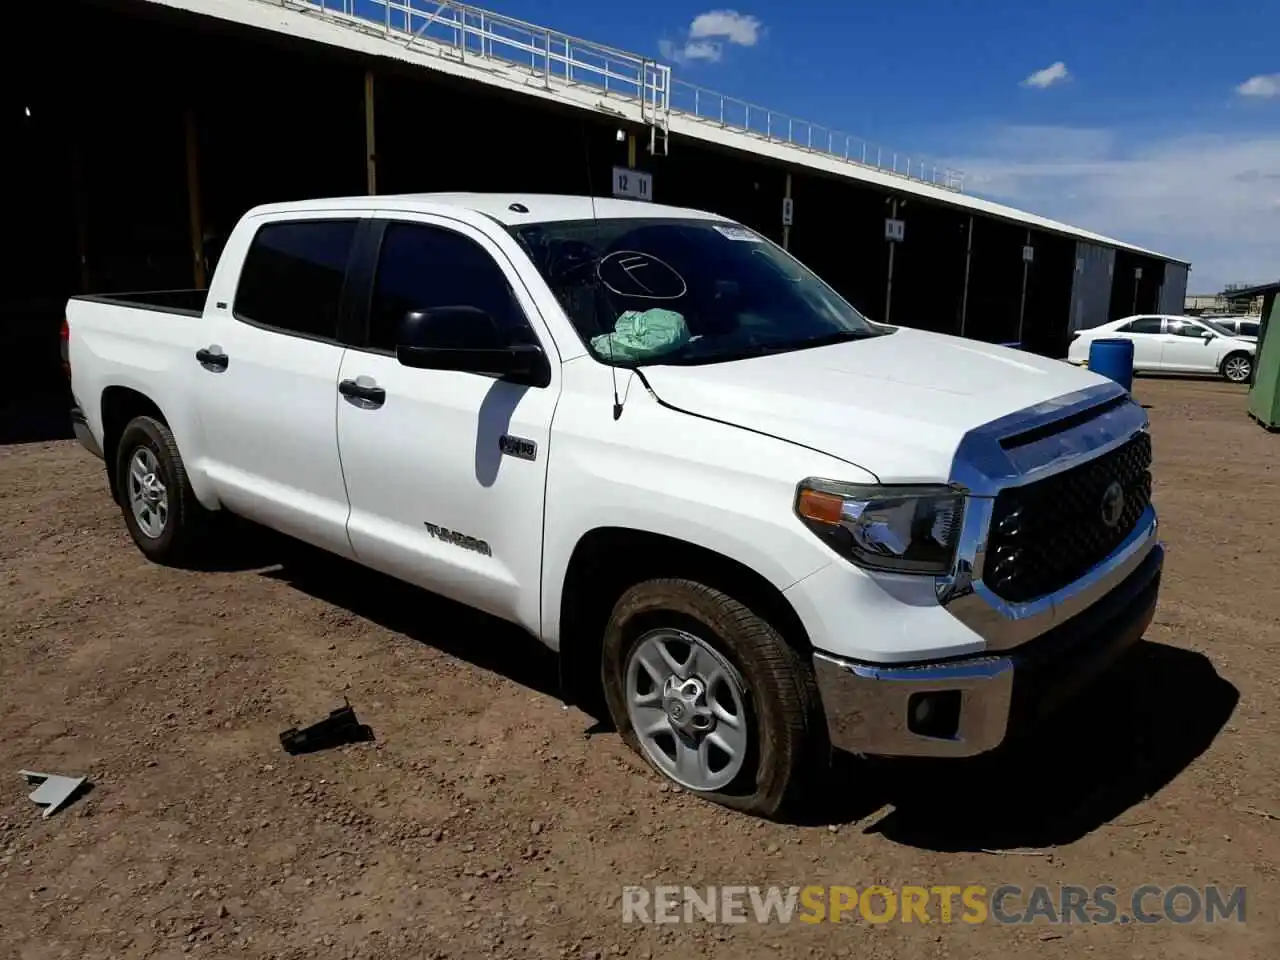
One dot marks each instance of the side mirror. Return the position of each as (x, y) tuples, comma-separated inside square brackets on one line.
[(469, 340), (1208, 335)]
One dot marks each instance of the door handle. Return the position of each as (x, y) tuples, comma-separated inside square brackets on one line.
[(367, 395), (212, 358)]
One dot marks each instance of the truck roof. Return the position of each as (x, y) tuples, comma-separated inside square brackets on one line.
[(503, 207)]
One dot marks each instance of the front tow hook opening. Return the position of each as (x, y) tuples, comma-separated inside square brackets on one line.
[(935, 714)]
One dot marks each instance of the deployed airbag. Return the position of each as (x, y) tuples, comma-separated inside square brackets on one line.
[(643, 334)]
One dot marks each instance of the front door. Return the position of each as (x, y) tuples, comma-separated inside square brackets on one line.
[(1189, 348), (446, 470), (266, 382)]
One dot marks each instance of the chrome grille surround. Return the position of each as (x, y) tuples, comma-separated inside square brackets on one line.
[(1025, 447)]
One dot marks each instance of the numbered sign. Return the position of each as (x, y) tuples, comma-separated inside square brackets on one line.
[(788, 211), (895, 229), (632, 184)]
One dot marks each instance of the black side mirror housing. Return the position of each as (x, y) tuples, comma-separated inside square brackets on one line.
[(469, 340)]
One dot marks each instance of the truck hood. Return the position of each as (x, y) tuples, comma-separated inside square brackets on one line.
[(897, 406)]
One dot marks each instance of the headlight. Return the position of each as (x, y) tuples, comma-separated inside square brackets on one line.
[(899, 529)]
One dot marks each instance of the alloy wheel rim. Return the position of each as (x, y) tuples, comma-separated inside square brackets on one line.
[(687, 705), (1238, 369), (148, 497)]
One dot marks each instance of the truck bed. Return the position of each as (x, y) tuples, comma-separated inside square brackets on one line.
[(146, 342), (185, 302)]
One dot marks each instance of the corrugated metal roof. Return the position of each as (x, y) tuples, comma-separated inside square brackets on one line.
[(1257, 290)]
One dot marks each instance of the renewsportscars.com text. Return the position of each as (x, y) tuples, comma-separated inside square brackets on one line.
[(972, 904)]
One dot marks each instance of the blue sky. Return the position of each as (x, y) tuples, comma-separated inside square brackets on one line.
[(1154, 121)]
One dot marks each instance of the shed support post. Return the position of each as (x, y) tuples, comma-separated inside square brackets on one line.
[(786, 229), (968, 259), (371, 156), (1022, 303), (195, 215), (888, 290), (80, 200)]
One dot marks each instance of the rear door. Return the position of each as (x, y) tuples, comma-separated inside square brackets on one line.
[(267, 379), (445, 469)]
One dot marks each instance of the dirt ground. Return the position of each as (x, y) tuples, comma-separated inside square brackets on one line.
[(486, 820)]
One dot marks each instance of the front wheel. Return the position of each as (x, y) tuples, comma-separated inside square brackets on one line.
[(712, 696), (1237, 368)]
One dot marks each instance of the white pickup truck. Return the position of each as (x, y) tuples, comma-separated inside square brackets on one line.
[(755, 524)]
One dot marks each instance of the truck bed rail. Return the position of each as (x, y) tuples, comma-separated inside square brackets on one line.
[(185, 302)]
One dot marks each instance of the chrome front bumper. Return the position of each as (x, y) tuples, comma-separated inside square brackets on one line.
[(870, 708), (1038, 653)]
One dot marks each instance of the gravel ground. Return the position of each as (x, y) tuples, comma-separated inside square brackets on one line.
[(486, 820)]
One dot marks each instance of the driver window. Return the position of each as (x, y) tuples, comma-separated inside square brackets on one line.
[(1183, 328), (422, 266)]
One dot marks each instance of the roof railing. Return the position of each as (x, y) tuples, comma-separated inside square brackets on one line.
[(774, 127), (471, 34), (550, 58)]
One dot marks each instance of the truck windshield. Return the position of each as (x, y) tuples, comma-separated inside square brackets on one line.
[(670, 291)]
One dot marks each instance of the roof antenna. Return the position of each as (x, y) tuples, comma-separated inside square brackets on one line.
[(595, 275)]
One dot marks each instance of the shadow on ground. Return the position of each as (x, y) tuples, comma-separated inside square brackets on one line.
[(460, 631), (1157, 710), (1149, 718)]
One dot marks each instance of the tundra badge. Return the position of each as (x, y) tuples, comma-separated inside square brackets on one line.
[(458, 539)]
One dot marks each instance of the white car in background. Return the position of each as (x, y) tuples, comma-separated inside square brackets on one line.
[(1244, 327), (1169, 344)]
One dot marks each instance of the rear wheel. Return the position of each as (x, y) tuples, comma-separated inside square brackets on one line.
[(1237, 368), (160, 510), (712, 696)]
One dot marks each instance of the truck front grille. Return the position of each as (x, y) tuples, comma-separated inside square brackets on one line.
[(1049, 533)]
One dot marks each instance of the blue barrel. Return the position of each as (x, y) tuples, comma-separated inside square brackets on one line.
[(1113, 359)]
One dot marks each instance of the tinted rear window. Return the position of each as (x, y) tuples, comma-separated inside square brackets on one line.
[(1142, 325), (293, 274)]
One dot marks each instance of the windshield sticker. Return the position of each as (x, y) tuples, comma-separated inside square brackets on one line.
[(735, 232), (641, 276)]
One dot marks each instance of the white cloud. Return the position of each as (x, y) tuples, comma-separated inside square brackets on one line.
[(709, 33), (1263, 85), (1054, 73), (1210, 199), (731, 25), (690, 50)]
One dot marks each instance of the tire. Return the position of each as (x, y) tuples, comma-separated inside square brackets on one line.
[(1237, 368), (177, 521), (784, 733)]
